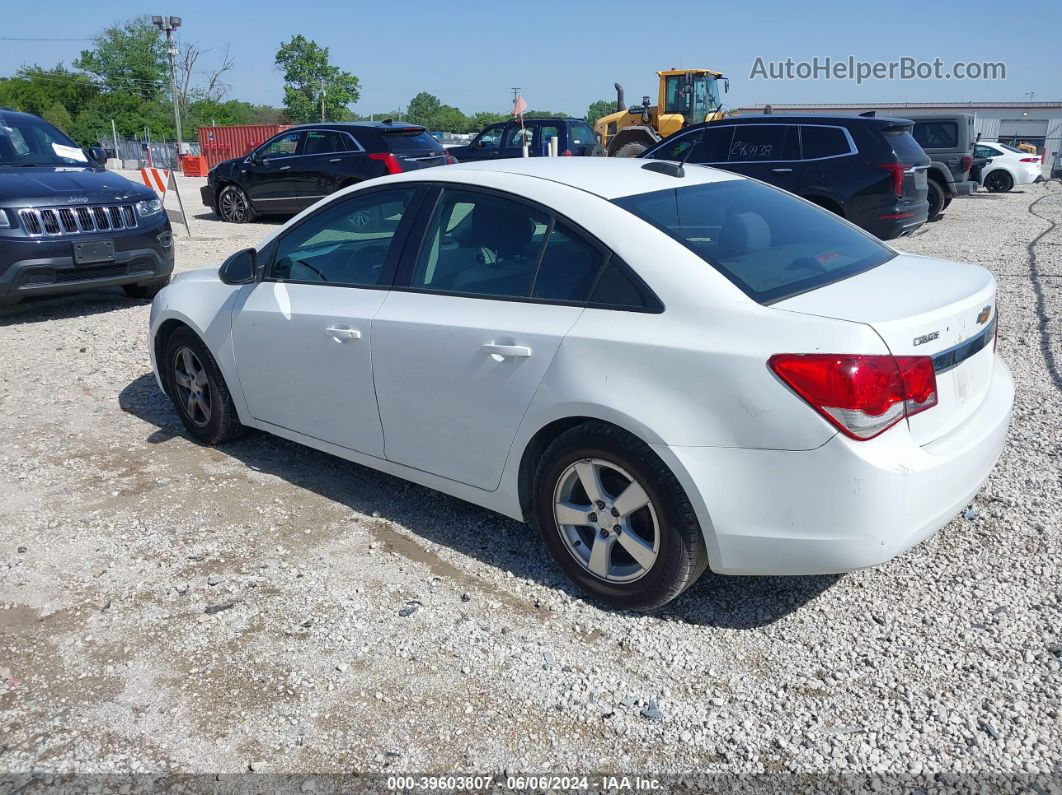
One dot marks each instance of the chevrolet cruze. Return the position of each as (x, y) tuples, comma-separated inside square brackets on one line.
[(661, 369)]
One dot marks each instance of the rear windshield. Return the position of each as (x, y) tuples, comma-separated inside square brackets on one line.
[(412, 141), (582, 135), (767, 242), (906, 147)]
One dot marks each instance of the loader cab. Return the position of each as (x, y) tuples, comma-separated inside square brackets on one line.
[(691, 94)]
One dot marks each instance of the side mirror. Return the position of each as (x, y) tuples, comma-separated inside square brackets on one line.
[(477, 144), (97, 154), (240, 268), (252, 157)]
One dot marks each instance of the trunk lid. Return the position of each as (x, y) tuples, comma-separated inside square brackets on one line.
[(414, 147), (922, 306)]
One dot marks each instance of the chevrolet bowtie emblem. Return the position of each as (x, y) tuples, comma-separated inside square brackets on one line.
[(985, 314)]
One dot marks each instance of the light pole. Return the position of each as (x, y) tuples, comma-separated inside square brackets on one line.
[(168, 25)]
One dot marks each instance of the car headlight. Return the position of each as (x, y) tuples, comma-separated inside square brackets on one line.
[(149, 207)]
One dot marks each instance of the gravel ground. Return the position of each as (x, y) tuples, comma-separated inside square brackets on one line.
[(166, 607)]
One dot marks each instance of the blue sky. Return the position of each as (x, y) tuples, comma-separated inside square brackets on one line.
[(566, 54)]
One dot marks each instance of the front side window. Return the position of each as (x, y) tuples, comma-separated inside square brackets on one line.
[(518, 136), (818, 142), (490, 138), (345, 244), (481, 244), (324, 142), (710, 145), (282, 146), (770, 244)]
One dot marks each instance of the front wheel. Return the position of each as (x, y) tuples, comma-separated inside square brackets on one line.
[(633, 149), (198, 389), (615, 519), (999, 181), (234, 206)]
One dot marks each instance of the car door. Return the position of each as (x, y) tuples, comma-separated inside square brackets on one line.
[(768, 152), (459, 348), (484, 146), (515, 136), (543, 133), (302, 335), (267, 174), (328, 158)]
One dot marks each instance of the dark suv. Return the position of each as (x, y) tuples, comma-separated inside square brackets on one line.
[(506, 139), (869, 170), (67, 224), (301, 165)]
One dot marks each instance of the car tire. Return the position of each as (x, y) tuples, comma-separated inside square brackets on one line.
[(664, 532), (598, 151), (998, 181), (936, 200), (198, 390), (234, 206), (633, 149), (145, 291), (947, 200)]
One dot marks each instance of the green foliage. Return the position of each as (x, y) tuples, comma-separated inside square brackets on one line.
[(58, 116), (598, 109), (37, 90), (129, 58), (306, 73)]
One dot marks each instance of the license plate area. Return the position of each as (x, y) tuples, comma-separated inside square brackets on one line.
[(93, 251), (921, 180)]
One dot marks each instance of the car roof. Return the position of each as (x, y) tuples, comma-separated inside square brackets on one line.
[(18, 114), (805, 118), (607, 177), (358, 125)]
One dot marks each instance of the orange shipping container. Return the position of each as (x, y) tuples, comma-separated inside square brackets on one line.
[(234, 140)]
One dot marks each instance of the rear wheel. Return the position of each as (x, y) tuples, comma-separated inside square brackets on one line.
[(598, 151), (947, 200), (198, 389), (999, 181), (234, 206), (936, 199), (633, 149), (615, 519)]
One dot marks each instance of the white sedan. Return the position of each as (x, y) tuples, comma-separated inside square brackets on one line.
[(661, 370), (1008, 166)]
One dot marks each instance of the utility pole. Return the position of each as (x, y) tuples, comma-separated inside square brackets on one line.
[(168, 25), (322, 99)]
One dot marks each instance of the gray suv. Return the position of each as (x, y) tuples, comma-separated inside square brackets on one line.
[(948, 139)]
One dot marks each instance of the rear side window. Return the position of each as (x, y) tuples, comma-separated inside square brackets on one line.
[(936, 134), (582, 135), (819, 142), (567, 268), (755, 142), (769, 244), (617, 289), (412, 141), (323, 142)]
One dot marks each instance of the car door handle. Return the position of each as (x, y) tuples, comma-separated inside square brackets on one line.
[(334, 159), (340, 334), (283, 168), (781, 170), (507, 351)]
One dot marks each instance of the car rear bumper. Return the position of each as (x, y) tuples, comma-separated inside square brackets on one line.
[(845, 505), (964, 188), (899, 220), (46, 266)]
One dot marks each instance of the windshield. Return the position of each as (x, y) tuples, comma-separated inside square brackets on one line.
[(770, 244), (33, 142), (694, 101)]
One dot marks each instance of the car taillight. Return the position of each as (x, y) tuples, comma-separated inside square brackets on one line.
[(389, 161), (896, 171), (566, 153), (862, 396), (1030, 160), (450, 160), (967, 162)]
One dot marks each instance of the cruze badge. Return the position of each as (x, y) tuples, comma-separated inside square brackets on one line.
[(926, 338), (985, 314)]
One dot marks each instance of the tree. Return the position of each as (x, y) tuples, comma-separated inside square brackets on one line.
[(37, 90), (598, 109), (306, 73), (129, 58), (423, 109), (58, 116)]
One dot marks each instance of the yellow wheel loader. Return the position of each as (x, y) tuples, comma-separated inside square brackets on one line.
[(687, 96)]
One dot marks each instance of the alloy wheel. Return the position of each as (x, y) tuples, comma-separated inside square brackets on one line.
[(233, 207), (606, 520), (193, 388)]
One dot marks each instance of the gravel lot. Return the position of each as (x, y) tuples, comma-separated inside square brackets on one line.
[(166, 607)]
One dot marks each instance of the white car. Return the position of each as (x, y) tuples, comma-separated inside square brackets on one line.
[(660, 369), (1008, 167)]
